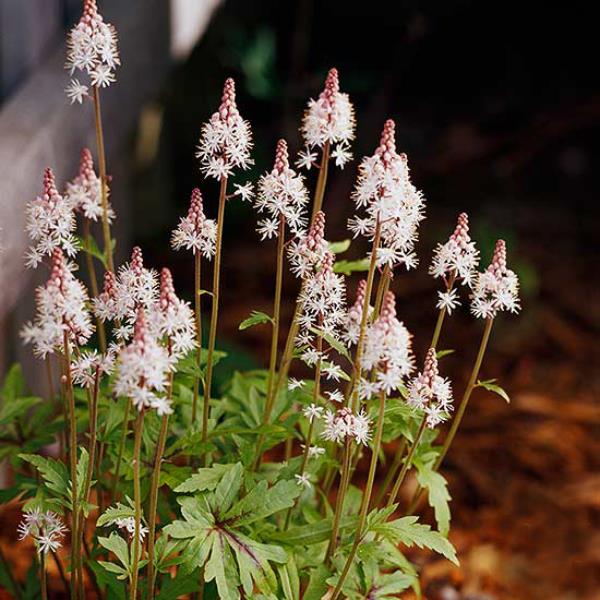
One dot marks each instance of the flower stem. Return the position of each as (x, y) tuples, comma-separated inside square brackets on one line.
[(124, 433), (75, 568), (214, 309), (366, 499), (137, 499), (353, 392), (461, 409), (91, 269), (271, 388), (440, 320), (160, 448), (61, 571), (103, 180), (93, 412), (198, 318), (467, 395), (391, 474), (407, 464), (43, 580), (321, 181), (339, 504)]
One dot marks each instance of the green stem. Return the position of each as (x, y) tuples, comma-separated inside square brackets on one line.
[(198, 317), (103, 180), (321, 181), (89, 260), (353, 393), (75, 568), (467, 395), (214, 309), (271, 387), (391, 474), (43, 580), (124, 433), (137, 499), (407, 464), (160, 448), (461, 410), (339, 504), (366, 499)]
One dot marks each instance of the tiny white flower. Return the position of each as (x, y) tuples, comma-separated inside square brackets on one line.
[(312, 411), (303, 480), (295, 383)]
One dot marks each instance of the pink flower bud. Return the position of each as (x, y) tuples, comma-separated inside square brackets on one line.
[(282, 163)]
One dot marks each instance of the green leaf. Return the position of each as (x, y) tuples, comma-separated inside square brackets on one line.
[(221, 567), (410, 533), (262, 502), (438, 496), (317, 586), (14, 383), (347, 267), (313, 533), (290, 581), (338, 346), (441, 353), (112, 513), (228, 489), (339, 247), (16, 408), (118, 546), (204, 479), (490, 386), (182, 583), (256, 318), (54, 473)]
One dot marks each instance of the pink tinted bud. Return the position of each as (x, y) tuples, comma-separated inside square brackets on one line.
[(388, 308), (498, 264), (282, 163), (332, 85), (110, 284), (86, 164), (137, 261), (58, 268), (228, 105), (360, 294), (140, 330), (50, 190), (196, 211), (316, 232), (430, 369), (167, 290), (461, 233), (387, 143), (327, 264), (90, 12)]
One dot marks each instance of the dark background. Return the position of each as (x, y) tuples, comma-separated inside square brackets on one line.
[(497, 106)]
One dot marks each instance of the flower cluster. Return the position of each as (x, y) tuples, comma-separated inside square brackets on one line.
[(61, 307), (91, 49), (50, 223), (388, 349), (343, 424), (323, 304), (309, 251), (226, 138), (174, 319), (497, 288), (90, 364), (45, 528), (143, 368), (195, 232), (84, 191), (282, 195), (127, 524), (391, 202), (430, 392), (328, 120), (133, 287)]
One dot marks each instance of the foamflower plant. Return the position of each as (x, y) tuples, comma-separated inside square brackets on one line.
[(139, 477)]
